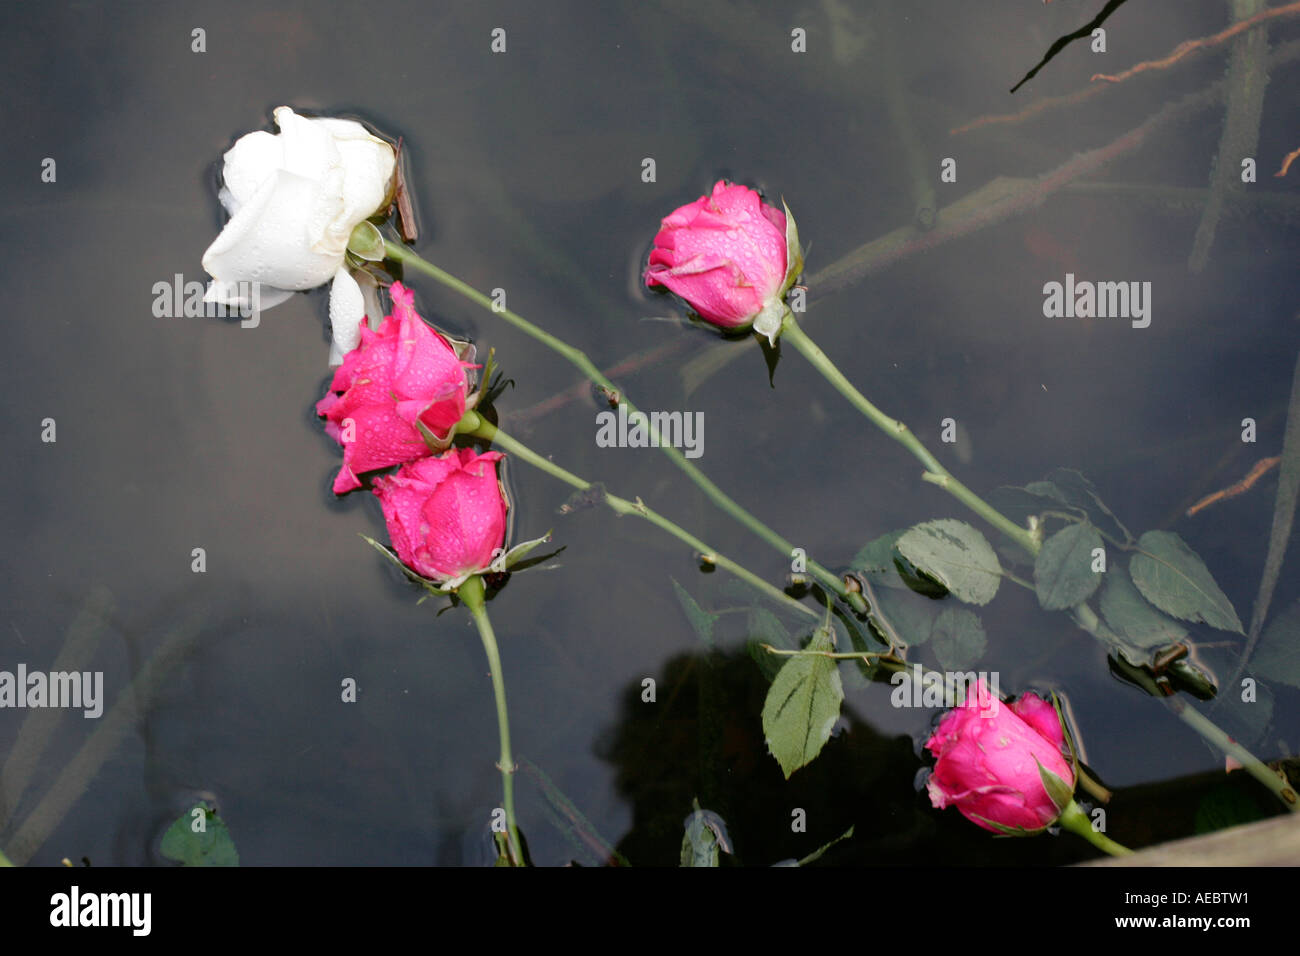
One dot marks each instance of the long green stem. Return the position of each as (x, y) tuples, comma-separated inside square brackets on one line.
[(471, 592), (935, 472), (579, 360), (1076, 821), (1249, 762), (622, 506)]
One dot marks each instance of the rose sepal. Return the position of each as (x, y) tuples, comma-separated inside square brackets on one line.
[(501, 563), (508, 559), (1058, 791), (793, 251), (770, 322), (1003, 830), (366, 242)]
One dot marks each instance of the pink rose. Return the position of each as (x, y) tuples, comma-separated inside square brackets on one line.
[(725, 255), (446, 516), (988, 766), (402, 374)]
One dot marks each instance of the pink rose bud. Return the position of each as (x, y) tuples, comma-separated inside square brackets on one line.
[(725, 255), (446, 516), (989, 756), (402, 374)]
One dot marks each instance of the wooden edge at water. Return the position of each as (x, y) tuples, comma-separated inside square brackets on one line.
[(1273, 842)]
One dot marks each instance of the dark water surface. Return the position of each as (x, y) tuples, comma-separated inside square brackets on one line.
[(183, 433)]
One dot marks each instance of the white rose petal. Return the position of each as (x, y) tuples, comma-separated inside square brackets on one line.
[(347, 310)]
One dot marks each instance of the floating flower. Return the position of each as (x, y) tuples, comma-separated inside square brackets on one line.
[(446, 515), (1005, 766), (731, 256), (294, 198), (404, 382)]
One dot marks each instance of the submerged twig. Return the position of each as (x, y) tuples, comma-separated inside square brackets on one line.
[(39, 725), (1188, 46), (1258, 471), (76, 776), (1247, 80), (1072, 99), (1002, 198), (1062, 42), (1286, 163)]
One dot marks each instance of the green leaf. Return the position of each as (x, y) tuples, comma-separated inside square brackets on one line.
[(1278, 654), (1127, 613), (956, 555), (701, 620), (958, 640), (802, 705), (210, 847), (1063, 575), (1174, 579)]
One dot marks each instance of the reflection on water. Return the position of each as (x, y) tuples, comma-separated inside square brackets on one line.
[(185, 433)]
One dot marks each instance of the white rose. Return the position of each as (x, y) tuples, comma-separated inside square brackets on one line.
[(294, 198)]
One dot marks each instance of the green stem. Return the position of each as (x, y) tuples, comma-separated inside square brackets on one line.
[(579, 360), (4, 860), (1076, 821), (935, 473), (471, 592), (1252, 764), (622, 506), (864, 656)]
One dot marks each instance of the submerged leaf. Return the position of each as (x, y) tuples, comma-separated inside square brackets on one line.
[(701, 620), (1174, 579), (958, 640), (1063, 574), (1278, 657), (1128, 614), (765, 628), (211, 846), (876, 559), (956, 555)]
